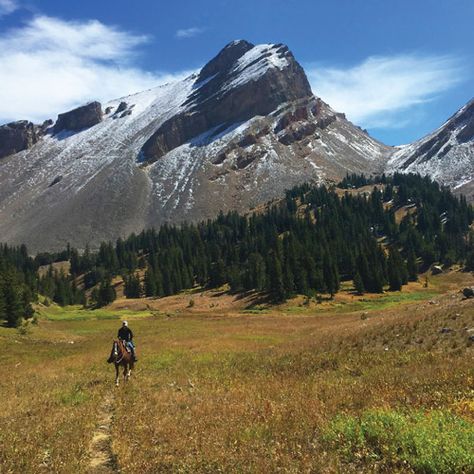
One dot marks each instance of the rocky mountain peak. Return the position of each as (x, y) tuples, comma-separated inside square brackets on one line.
[(241, 82), (225, 59)]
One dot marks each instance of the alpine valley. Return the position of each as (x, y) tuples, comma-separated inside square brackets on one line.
[(237, 134)]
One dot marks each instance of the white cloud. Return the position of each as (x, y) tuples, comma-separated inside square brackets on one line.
[(189, 32), (50, 66), (8, 6), (379, 92)]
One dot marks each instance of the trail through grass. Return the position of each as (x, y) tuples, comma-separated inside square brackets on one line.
[(274, 391)]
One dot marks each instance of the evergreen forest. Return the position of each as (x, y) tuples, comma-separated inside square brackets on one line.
[(306, 243)]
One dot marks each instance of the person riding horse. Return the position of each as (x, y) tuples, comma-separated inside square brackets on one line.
[(126, 335)]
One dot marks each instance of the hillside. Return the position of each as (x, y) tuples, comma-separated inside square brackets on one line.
[(379, 233), (382, 234)]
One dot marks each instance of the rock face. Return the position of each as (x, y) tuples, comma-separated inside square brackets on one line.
[(78, 119), (236, 135), (18, 136), (446, 155), (241, 82)]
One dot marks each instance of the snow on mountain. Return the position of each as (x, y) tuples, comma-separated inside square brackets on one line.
[(255, 63), (238, 134), (447, 154)]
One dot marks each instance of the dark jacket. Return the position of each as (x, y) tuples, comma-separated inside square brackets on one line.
[(125, 334)]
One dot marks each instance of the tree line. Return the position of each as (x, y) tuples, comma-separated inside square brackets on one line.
[(307, 243)]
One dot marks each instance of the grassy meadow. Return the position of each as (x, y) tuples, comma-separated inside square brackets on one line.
[(359, 384)]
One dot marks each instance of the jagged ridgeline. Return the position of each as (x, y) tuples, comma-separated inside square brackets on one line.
[(380, 236)]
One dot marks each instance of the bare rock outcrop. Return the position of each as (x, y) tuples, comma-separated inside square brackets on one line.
[(80, 118), (19, 136)]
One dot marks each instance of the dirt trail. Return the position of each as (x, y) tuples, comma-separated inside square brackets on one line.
[(102, 458)]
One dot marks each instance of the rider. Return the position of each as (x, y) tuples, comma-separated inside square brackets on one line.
[(126, 335)]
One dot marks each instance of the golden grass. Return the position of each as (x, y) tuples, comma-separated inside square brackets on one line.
[(223, 390)]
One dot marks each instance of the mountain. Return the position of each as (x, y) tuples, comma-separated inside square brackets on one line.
[(447, 155), (238, 133)]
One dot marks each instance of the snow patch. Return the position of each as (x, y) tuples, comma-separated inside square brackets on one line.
[(255, 63)]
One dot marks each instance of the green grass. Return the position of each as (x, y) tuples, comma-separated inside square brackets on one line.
[(166, 360), (256, 309), (427, 442), (389, 300), (73, 397), (78, 313), (370, 303)]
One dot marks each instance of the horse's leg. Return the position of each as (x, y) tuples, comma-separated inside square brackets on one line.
[(130, 368), (116, 375), (125, 371)]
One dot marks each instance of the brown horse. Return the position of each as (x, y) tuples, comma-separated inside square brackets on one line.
[(121, 357)]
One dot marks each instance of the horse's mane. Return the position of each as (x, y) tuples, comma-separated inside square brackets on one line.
[(123, 353)]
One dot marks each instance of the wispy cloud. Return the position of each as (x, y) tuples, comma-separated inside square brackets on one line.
[(50, 65), (379, 92), (189, 32), (8, 6)]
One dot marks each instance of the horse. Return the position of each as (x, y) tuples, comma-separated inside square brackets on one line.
[(121, 357)]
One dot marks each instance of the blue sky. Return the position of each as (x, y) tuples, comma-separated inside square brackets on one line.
[(396, 67)]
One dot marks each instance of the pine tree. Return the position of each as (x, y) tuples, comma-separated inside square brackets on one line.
[(106, 293), (133, 287), (469, 265), (275, 279), (256, 273), (159, 282), (28, 310), (412, 266), (288, 280), (235, 279), (168, 288), (13, 302), (150, 283), (394, 271), (75, 260), (363, 271), (3, 304), (331, 277), (217, 273), (359, 284)]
